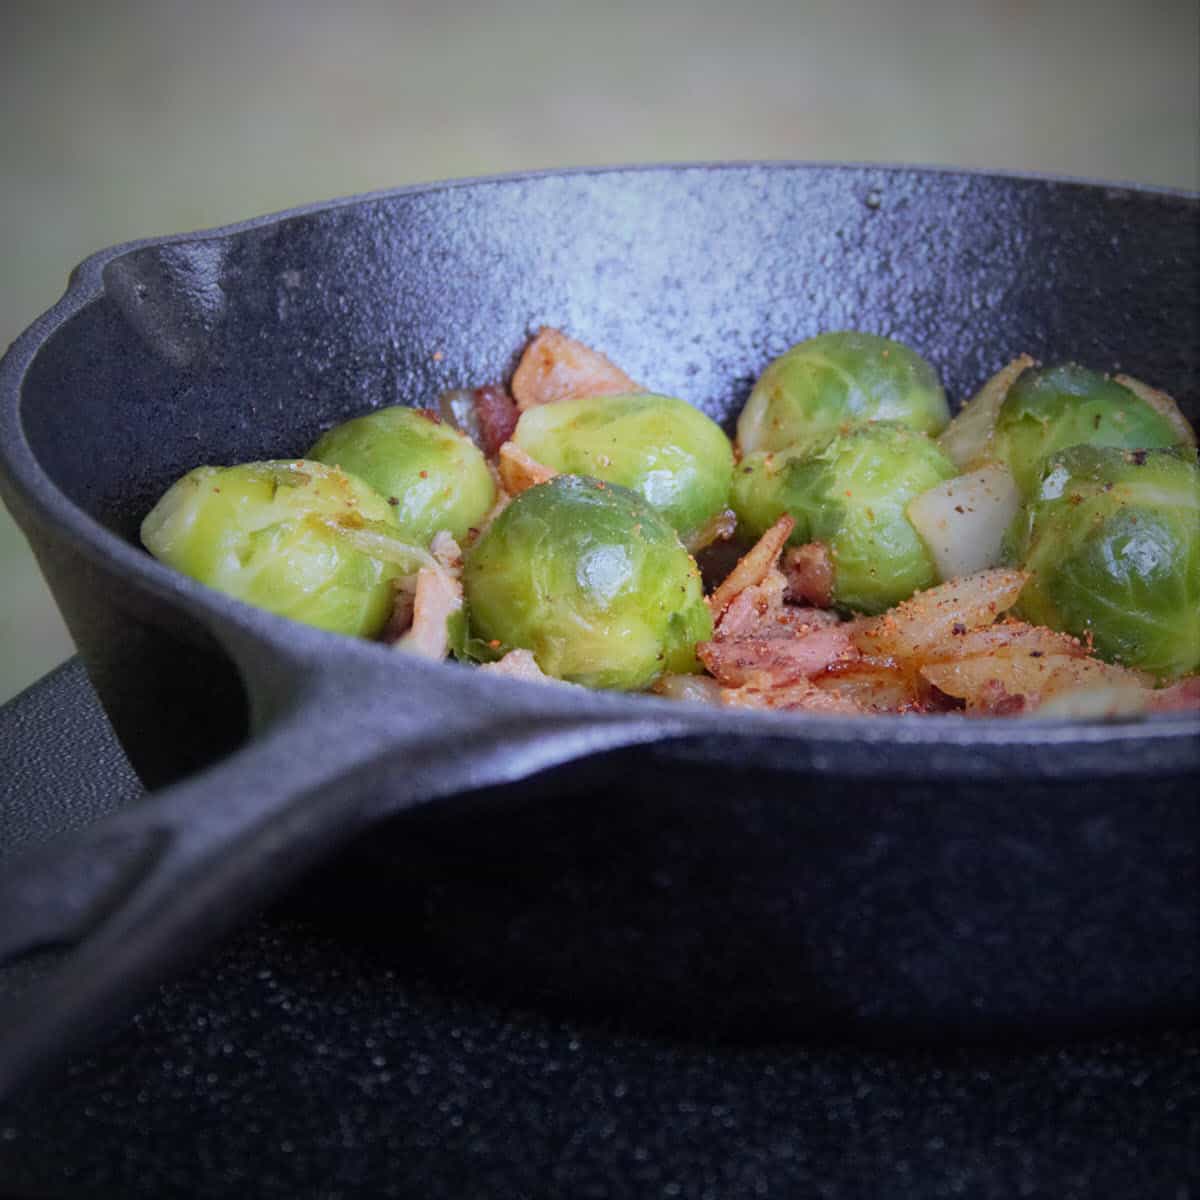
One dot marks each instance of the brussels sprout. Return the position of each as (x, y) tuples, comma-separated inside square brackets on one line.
[(675, 457), (434, 476), (851, 494), (1111, 538), (282, 536), (824, 385), (1041, 411), (592, 580)]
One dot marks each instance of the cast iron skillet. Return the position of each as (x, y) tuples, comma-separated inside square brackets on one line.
[(707, 872)]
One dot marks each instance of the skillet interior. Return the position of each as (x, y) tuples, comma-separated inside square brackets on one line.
[(248, 343)]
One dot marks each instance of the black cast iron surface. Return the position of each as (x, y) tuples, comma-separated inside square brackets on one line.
[(702, 870), (297, 1064)]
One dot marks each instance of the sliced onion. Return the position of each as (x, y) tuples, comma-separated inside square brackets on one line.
[(457, 408), (963, 520), (1097, 703), (967, 438), (697, 689)]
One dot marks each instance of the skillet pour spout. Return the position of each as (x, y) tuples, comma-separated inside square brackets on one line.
[(698, 871)]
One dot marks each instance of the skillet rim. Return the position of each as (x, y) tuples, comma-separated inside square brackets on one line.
[(23, 478)]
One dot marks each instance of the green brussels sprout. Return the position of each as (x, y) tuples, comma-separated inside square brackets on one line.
[(1044, 410), (671, 454), (828, 383), (282, 536), (1111, 539), (592, 580), (434, 476), (851, 494)]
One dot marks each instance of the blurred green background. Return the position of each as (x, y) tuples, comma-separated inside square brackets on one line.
[(137, 117)]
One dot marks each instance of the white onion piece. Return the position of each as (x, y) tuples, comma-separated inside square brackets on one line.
[(963, 520), (968, 437), (698, 689), (1097, 703)]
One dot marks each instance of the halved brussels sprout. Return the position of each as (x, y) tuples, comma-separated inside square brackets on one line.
[(433, 476), (591, 579), (851, 494), (830, 382), (282, 536), (1111, 538), (1022, 417), (670, 453)]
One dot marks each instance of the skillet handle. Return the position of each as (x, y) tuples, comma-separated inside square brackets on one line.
[(139, 893)]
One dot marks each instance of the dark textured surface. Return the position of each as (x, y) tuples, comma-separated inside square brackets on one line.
[(294, 1063), (1048, 878), (248, 346)]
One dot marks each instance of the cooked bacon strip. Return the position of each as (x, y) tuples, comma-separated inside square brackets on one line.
[(556, 367), (874, 688), (773, 662), (760, 611), (519, 472), (753, 610), (496, 415), (809, 572), (753, 567), (796, 697)]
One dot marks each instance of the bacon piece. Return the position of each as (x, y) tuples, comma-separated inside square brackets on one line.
[(874, 688), (496, 416), (556, 367), (773, 662), (753, 611), (753, 567), (760, 611), (518, 471), (995, 700), (809, 572), (796, 697)]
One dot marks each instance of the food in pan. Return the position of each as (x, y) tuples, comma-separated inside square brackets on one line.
[(1111, 541), (280, 535), (433, 476), (830, 381), (850, 494), (1033, 557), (592, 580), (677, 459), (1026, 413)]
